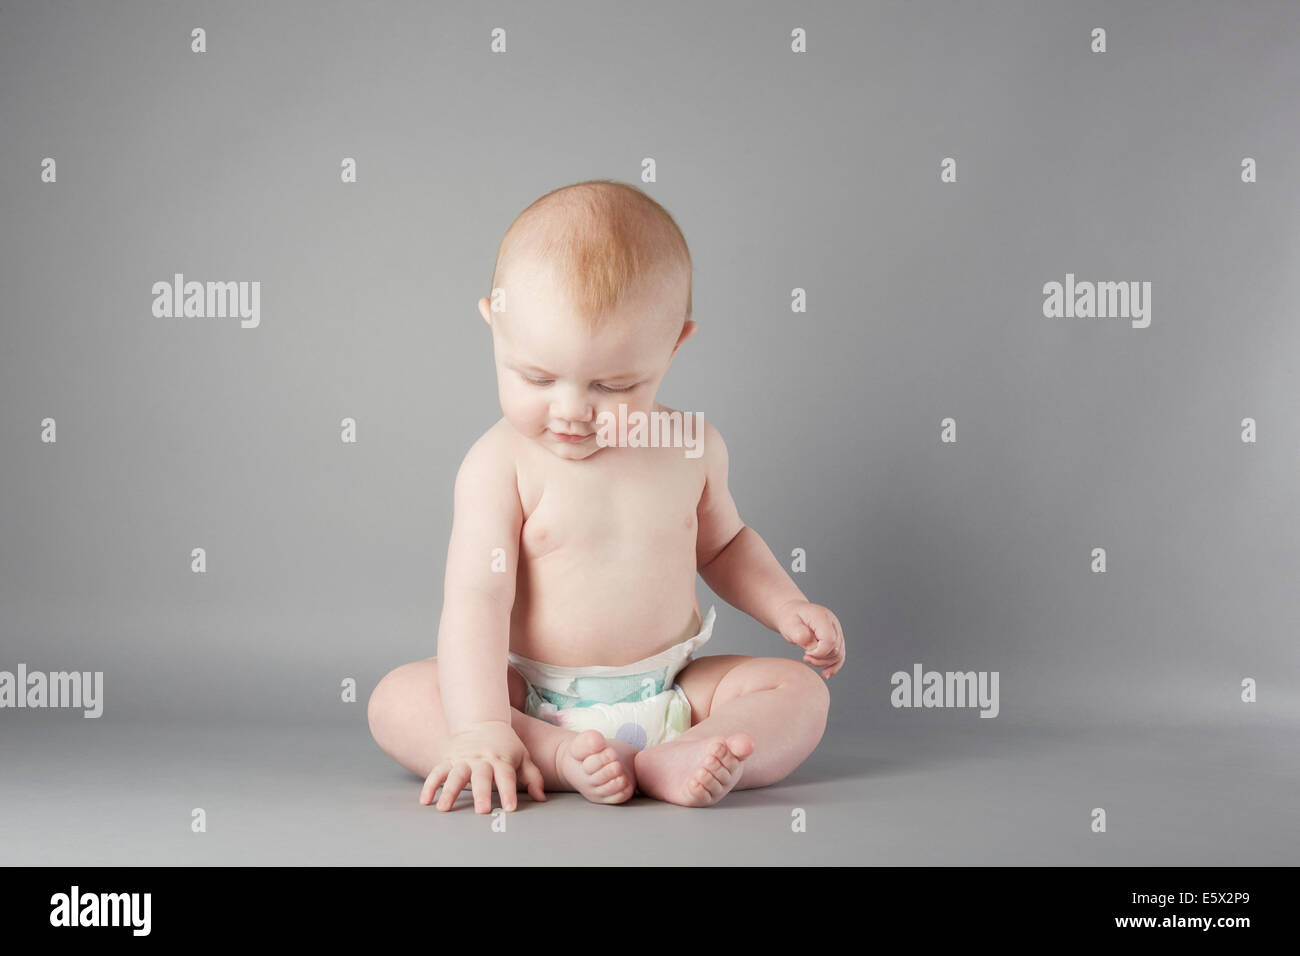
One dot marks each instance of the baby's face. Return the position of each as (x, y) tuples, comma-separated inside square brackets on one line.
[(555, 377)]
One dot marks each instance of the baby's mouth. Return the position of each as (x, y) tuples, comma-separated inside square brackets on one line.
[(566, 437)]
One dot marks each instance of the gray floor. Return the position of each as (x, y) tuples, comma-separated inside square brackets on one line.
[(81, 792)]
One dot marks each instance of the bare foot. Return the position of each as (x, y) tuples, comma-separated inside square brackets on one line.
[(693, 773), (598, 768)]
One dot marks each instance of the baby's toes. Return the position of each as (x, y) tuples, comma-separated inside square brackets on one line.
[(607, 771), (721, 760), (705, 785), (597, 768), (593, 764), (615, 785), (740, 746), (720, 769), (589, 745)]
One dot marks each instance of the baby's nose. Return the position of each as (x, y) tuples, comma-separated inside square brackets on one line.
[(571, 405)]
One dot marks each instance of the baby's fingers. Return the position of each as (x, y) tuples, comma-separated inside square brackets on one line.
[(830, 635), (824, 664), (533, 779), (433, 782), (833, 652), (833, 663), (454, 784), (800, 634), (481, 785), (507, 784)]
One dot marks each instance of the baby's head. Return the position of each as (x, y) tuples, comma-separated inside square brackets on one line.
[(591, 297)]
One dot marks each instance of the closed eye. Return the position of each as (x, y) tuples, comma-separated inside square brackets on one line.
[(540, 382), (615, 388)]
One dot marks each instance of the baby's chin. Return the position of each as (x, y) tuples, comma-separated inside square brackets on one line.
[(569, 451)]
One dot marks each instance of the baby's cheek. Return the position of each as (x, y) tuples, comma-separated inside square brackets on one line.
[(518, 410)]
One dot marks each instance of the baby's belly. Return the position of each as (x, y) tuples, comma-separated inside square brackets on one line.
[(578, 610)]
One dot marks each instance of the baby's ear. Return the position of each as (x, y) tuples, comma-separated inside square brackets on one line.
[(688, 330), (485, 310)]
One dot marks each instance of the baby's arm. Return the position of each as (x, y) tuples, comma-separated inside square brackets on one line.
[(474, 634), (741, 569)]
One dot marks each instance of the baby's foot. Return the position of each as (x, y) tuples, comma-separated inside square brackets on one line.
[(599, 769), (693, 773)]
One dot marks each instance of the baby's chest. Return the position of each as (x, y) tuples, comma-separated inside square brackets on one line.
[(615, 512)]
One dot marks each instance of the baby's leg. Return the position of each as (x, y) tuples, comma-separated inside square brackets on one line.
[(754, 719), (406, 720)]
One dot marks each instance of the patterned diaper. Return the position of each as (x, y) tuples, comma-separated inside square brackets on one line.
[(638, 703)]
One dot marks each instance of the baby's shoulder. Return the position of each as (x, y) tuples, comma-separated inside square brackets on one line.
[(491, 459), (495, 443), (700, 436)]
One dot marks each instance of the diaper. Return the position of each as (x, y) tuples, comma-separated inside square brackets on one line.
[(638, 703)]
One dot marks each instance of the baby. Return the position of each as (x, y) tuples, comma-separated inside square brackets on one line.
[(569, 618)]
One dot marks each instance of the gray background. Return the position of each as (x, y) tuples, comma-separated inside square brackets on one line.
[(820, 170)]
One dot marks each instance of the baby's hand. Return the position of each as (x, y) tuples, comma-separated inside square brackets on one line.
[(817, 631), (478, 755)]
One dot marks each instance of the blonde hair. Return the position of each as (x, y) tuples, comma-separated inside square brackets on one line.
[(601, 238)]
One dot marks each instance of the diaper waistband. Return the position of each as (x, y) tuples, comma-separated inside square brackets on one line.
[(667, 663)]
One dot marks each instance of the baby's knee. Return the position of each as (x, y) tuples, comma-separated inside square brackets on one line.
[(807, 682), (817, 687), (393, 695)]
